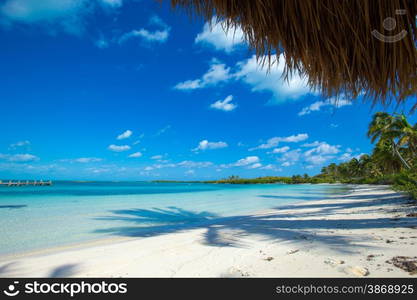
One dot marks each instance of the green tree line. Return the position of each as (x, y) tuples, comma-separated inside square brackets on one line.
[(393, 160)]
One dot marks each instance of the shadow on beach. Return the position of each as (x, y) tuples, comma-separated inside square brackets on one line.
[(12, 206), (277, 226)]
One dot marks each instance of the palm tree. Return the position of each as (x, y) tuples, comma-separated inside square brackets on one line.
[(385, 127), (409, 134), (385, 158), (350, 169), (368, 167)]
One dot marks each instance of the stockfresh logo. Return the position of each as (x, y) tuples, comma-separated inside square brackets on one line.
[(12, 290), (389, 25), (65, 288)]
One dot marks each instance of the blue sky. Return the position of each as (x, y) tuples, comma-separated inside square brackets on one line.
[(132, 90)]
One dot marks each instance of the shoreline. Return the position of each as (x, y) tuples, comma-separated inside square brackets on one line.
[(115, 239), (345, 236)]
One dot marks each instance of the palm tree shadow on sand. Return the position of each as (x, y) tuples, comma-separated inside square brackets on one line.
[(275, 227)]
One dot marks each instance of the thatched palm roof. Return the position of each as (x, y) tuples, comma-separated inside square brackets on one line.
[(329, 41)]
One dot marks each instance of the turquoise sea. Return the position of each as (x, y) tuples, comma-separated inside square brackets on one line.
[(34, 218)]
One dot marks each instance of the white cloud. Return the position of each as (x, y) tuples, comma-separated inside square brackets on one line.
[(217, 73), (215, 35), (163, 130), (281, 150), (23, 157), (255, 166), (158, 36), (54, 15), (348, 156), (125, 135), (183, 164), (87, 159), (249, 162), (246, 161), (30, 11), (206, 145), (189, 85), (135, 155), (82, 160), (317, 159), (260, 80), (291, 157), (225, 104), (157, 157), (318, 105), (19, 144), (322, 148), (112, 3), (313, 144), (320, 153), (18, 157), (271, 167), (99, 170), (117, 148), (273, 142), (194, 164)]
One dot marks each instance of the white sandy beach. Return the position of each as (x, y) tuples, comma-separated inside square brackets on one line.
[(347, 236)]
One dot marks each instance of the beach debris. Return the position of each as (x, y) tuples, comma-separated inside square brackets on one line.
[(412, 215), (269, 258), (334, 262), (406, 263), (389, 241), (293, 251), (357, 271), (302, 237), (237, 272), (372, 256)]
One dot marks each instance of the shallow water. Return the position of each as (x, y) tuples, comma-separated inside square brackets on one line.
[(33, 218)]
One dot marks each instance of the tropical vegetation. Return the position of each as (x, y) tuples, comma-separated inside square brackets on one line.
[(393, 160)]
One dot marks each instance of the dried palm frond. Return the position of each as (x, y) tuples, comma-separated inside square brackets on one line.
[(329, 41)]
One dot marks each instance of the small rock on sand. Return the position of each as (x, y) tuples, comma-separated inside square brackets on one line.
[(269, 258), (334, 262), (357, 270)]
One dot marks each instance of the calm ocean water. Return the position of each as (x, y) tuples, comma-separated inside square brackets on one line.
[(66, 213)]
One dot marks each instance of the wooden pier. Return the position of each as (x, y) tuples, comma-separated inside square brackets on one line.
[(25, 183)]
